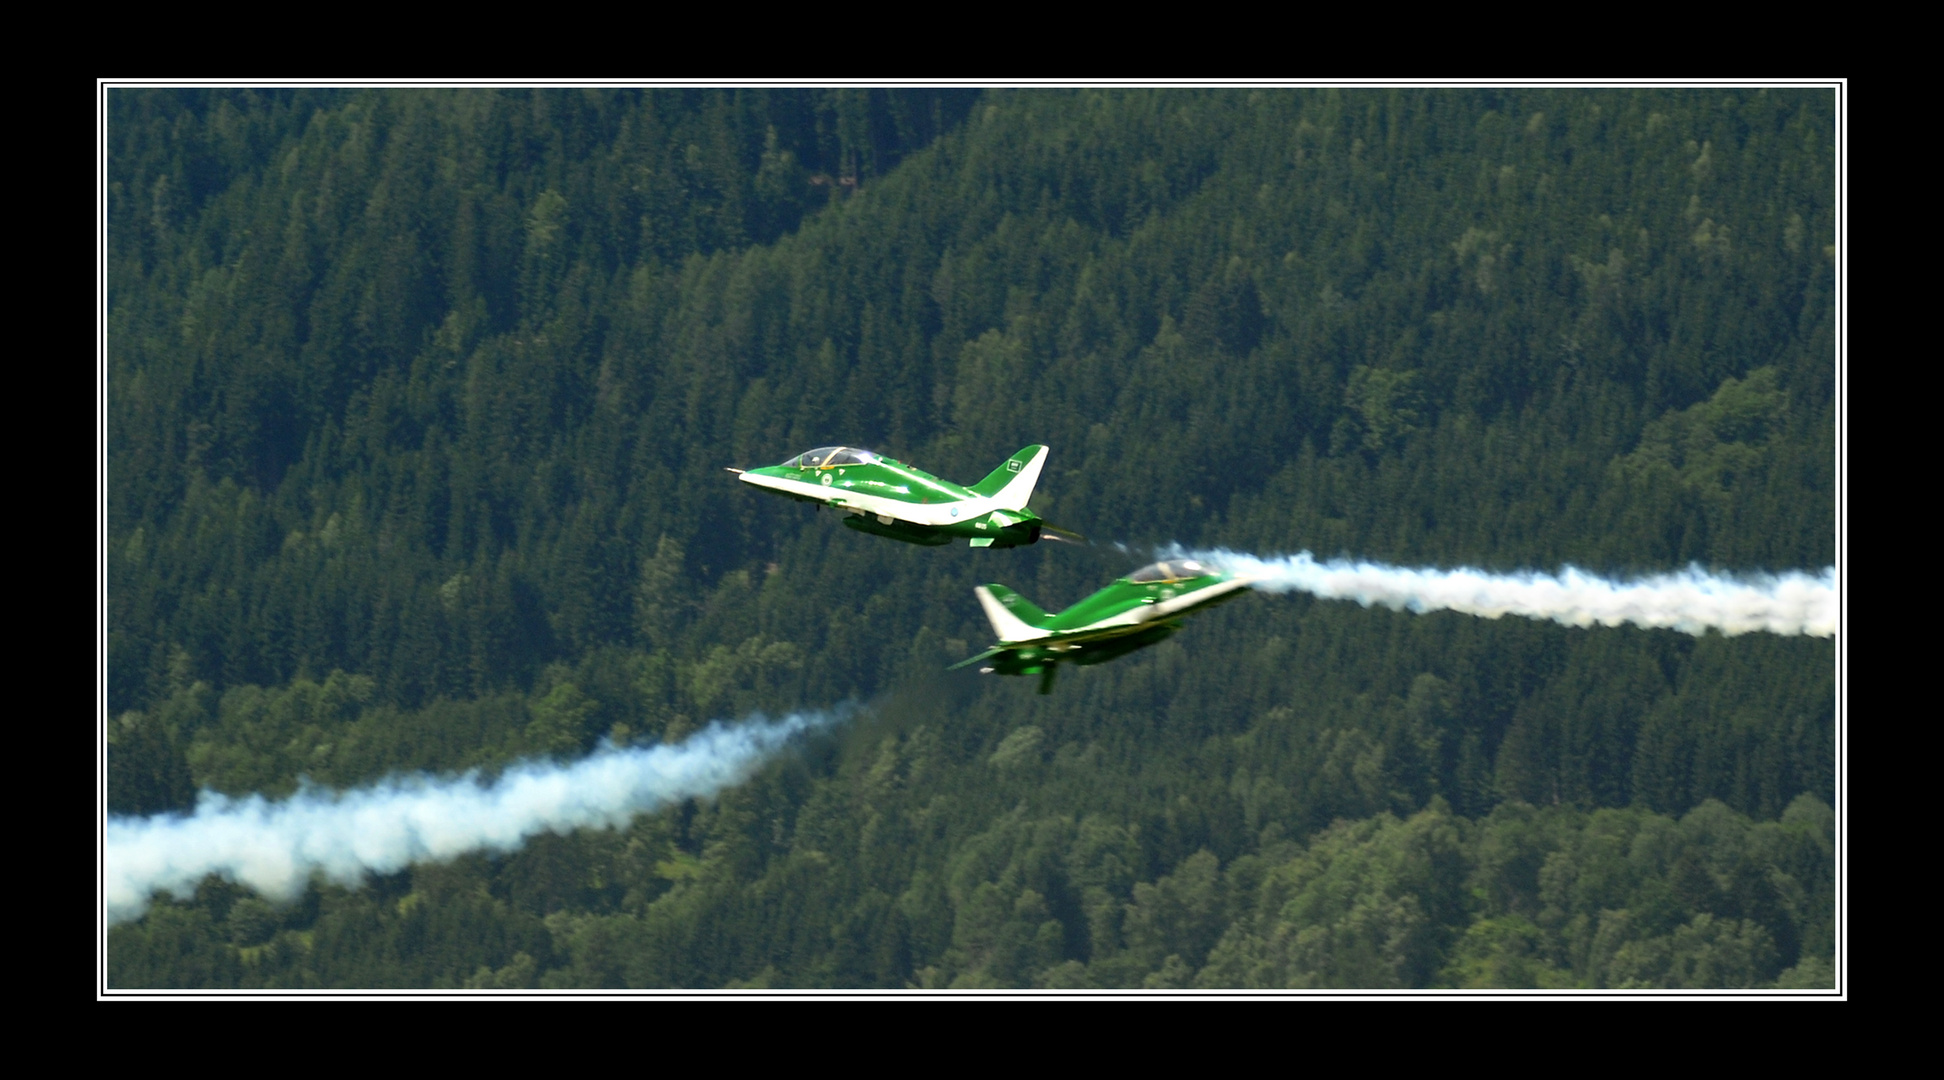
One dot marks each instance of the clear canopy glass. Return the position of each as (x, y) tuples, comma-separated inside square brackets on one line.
[(824, 457)]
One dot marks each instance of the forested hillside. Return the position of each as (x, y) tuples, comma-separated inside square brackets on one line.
[(418, 405)]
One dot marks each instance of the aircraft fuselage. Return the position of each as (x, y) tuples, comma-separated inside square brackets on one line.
[(892, 499)]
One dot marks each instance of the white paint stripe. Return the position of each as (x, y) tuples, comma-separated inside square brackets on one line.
[(858, 499), (1200, 596), (1133, 616)]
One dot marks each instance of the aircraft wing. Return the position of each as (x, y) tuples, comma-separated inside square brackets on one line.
[(986, 655)]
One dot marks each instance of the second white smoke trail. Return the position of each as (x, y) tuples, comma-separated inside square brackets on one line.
[(275, 847), (1691, 601)]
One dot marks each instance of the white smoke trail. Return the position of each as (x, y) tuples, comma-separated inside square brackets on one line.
[(1691, 601), (274, 847)]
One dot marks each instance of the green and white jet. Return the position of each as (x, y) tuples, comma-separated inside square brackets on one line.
[(1134, 612), (890, 498)]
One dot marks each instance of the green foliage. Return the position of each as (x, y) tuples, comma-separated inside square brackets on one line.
[(1501, 953), (417, 408), (1382, 404), (1369, 904), (147, 771)]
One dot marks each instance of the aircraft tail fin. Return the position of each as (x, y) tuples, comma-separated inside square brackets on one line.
[(1013, 617), (1011, 484)]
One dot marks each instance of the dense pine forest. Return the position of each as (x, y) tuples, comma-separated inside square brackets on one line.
[(418, 405)]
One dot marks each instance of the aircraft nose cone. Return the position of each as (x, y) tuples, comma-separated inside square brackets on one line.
[(764, 478)]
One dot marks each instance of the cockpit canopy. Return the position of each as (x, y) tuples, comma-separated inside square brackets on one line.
[(1171, 570), (824, 457)]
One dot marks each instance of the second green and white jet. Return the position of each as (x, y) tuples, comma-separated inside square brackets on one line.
[(1134, 612)]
